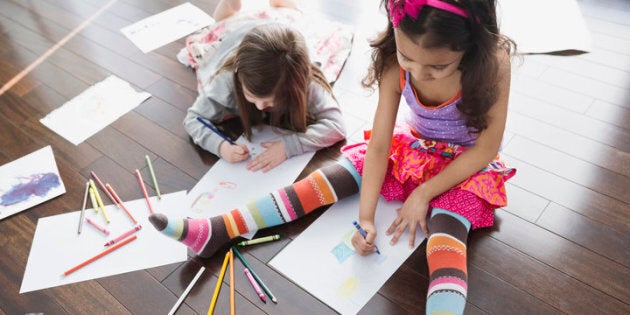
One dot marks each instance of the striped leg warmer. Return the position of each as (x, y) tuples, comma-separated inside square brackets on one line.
[(322, 187), (446, 257)]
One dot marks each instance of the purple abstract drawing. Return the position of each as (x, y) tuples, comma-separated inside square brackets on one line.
[(34, 185)]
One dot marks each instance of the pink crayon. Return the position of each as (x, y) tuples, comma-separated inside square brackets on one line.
[(124, 235), (98, 227)]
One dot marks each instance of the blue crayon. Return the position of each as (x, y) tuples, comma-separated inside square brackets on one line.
[(363, 233)]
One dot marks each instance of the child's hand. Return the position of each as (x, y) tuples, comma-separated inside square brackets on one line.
[(233, 152), (272, 157), (412, 214), (365, 246)]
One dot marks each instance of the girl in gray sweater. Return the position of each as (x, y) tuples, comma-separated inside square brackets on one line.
[(261, 72)]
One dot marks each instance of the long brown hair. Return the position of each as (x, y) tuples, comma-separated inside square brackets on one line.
[(477, 36), (273, 59)]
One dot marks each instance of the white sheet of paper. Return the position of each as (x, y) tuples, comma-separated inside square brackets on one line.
[(323, 262), (57, 247), (167, 26), (94, 109), (229, 185), (29, 181), (543, 26)]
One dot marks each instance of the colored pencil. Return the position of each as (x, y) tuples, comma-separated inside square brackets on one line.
[(101, 254), (87, 189), (232, 308), (215, 130), (259, 240), (217, 288), (144, 190), (122, 205), (185, 293), (258, 279), (100, 184), (155, 183)]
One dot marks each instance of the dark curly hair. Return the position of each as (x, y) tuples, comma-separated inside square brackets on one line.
[(477, 36)]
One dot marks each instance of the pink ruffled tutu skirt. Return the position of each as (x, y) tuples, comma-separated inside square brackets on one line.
[(413, 161)]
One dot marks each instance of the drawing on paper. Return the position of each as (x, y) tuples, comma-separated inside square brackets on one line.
[(344, 248), (348, 287), (33, 185), (29, 181), (167, 26), (204, 200)]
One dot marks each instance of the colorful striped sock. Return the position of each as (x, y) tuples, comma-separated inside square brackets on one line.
[(322, 187), (446, 257)]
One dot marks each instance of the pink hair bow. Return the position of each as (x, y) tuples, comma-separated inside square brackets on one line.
[(399, 8)]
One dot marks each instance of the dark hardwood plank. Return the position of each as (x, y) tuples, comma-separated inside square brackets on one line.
[(580, 199), (578, 262), (593, 235), (601, 180), (562, 140), (539, 278)]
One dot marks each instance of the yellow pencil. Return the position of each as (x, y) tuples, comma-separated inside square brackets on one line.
[(232, 308), (217, 288)]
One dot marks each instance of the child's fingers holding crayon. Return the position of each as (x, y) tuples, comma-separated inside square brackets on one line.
[(233, 152)]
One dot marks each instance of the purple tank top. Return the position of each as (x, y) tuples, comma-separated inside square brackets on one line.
[(445, 123)]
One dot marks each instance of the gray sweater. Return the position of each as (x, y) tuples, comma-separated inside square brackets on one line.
[(216, 102)]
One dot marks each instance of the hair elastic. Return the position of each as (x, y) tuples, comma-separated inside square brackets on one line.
[(399, 8)]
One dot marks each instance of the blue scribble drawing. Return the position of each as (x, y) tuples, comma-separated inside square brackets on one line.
[(342, 252), (34, 185), (344, 248)]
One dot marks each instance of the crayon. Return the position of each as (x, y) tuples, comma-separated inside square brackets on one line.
[(256, 277), (124, 235), (98, 227), (364, 234), (255, 285), (259, 240)]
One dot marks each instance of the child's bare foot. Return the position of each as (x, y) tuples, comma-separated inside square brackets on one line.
[(225, 9), (282, 4)]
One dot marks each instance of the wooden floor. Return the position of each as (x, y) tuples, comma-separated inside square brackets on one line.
[(560, 247)]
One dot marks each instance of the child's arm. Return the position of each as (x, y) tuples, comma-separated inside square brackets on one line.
[(214, 102), (465, 165), (327, 129), (376, 158)]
